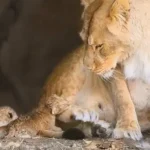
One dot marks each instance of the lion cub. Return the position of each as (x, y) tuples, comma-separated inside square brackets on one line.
[(7, 115)]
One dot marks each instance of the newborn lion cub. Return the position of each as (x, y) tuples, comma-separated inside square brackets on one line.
[(7, 115)]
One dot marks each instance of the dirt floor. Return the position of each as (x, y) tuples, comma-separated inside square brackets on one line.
[(62, 144), (59, 144)]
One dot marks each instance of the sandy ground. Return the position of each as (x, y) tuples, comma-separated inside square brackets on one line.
[(62, 144)]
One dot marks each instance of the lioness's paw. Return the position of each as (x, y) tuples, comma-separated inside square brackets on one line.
[(102, 129), (121, 133), (86, 115), (132, 132)]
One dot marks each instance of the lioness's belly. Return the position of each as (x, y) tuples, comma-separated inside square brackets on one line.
[(138, 65), (140, 93), (95, 96)]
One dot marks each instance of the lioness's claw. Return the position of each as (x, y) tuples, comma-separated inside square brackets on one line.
[(122, 133), (86, 115), (102, 129)]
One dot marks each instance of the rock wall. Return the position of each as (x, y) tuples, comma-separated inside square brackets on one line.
[(34, 36)]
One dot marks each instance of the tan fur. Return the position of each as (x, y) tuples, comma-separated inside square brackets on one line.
[(76, 85), (89, 8), (109, 45), (71, 87), (136, 67), (106, 45), (7, 115)]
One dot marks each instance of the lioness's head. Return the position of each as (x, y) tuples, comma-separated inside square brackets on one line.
[(108, 38)]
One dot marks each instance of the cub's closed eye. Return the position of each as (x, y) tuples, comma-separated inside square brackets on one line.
[(99, 46), (10, 115)]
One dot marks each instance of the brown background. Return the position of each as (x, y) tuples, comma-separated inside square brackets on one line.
[(34, 36)]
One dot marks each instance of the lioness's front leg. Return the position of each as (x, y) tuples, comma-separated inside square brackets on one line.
[(100, 127), (127, 124)]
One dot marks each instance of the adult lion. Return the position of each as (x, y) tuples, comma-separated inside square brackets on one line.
[(70, 89), (105, 57)]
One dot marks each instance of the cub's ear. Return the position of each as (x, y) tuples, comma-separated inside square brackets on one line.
[(118, 16)]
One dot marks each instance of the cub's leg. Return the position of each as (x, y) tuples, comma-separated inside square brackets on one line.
[(127, 124)]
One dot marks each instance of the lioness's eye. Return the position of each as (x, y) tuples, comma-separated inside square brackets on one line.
[(99, 46)]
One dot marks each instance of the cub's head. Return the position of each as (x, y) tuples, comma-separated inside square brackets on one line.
[(7, 115), (108, 39)]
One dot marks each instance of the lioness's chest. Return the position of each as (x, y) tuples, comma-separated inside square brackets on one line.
[(138, 65)]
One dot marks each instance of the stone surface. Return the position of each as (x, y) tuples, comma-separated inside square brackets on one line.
[(38, 143), (61, 144)]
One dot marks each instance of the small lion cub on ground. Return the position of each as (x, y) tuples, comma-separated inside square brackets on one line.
[(7, 115)]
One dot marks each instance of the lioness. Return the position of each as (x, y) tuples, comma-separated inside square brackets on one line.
[(65, 94), (60, 95), (102, 58)]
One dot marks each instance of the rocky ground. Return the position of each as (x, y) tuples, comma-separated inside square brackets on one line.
[(62, 144), (59, 144)]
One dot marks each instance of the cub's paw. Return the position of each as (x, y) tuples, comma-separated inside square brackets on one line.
[(85, 115), (102, 129), (131, 131)]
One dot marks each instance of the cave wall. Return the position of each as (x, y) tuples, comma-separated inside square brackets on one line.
[(34, 36)]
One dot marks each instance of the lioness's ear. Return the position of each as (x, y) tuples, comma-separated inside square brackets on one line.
[(118, 16), (86, 3)]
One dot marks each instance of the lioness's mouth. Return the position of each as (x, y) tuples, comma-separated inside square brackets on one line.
[(105, 74), (108, 74)]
